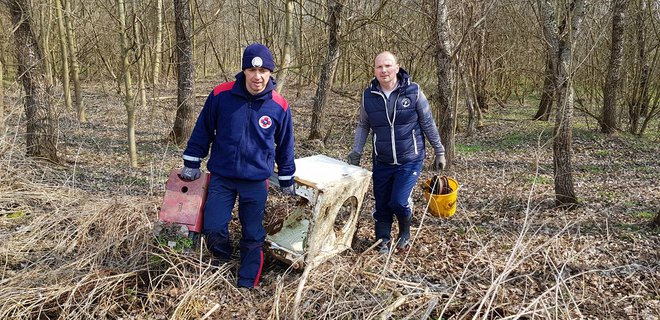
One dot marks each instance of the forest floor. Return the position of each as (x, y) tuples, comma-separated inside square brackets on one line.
[(76, 238)]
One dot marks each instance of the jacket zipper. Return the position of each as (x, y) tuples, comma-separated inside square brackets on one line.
[(391, 121), (396, 161), (414, 141)]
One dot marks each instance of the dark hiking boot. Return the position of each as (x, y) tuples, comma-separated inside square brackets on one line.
[(403, 241)]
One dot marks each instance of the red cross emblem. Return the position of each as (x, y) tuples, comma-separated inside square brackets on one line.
[(265, 122)]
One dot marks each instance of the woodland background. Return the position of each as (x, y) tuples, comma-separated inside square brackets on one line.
[(548, 109)]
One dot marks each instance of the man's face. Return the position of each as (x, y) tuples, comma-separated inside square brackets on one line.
[(256, 79), (385, 69)]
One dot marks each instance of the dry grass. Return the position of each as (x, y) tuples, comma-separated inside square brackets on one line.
[(76, 239)]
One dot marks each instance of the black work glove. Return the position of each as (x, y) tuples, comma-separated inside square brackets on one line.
[(288, 187), (190, 174), (439, 163), (354, 158), (290, 190)]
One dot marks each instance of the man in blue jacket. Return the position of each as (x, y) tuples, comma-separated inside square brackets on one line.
[(248, 127), (396, 111)]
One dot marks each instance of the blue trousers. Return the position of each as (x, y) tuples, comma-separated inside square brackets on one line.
[(393, 186), (220, 202)]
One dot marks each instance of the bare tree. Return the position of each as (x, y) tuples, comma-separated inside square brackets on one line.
[(288, 40), (470, 97), (560, 39), (639, 100), (185, 118), (61, 32), (443, 58), (73, 57), (158, 45), (129, 104), (45, 18), (608, 117), (335, 8), (40, 138), (139, 54)]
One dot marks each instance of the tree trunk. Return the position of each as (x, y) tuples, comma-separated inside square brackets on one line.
[(560, 42), (73, 56), (444, 73), (609, 118), (61, 31), (327, 71), (185, 120), (128, 86), (44, 33), (468, 88), (158, 46), (288, 40), (2, 100), (479, 74), (548, 91), (139, 49), (40, 134), (469, 104), (639, 102)]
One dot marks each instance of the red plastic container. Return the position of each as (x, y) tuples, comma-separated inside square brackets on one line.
[(184, 201)]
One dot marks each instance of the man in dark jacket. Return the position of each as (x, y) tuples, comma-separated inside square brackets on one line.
[(248, 127), (396, 111)]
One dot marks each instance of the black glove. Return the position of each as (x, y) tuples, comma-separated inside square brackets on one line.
[(354, 158), (290, 190), (439, 163), (288, 187), (190, 174)]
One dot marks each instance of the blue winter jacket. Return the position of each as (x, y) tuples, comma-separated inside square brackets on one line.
[(246, 133), (399, 123)]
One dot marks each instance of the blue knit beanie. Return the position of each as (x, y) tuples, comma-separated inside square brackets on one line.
[(257, 55)]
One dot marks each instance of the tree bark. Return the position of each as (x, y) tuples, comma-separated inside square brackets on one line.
[(139, 55), (444, 73), (2, 100), (40, 133), (128, 86), (185, 120), (560, 42), (158, 46), (288, 40), (328, 70), (470, 105), (73, 57), (44, 35), (61, 31), (548, 91), (479, 74), (609, 118)]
